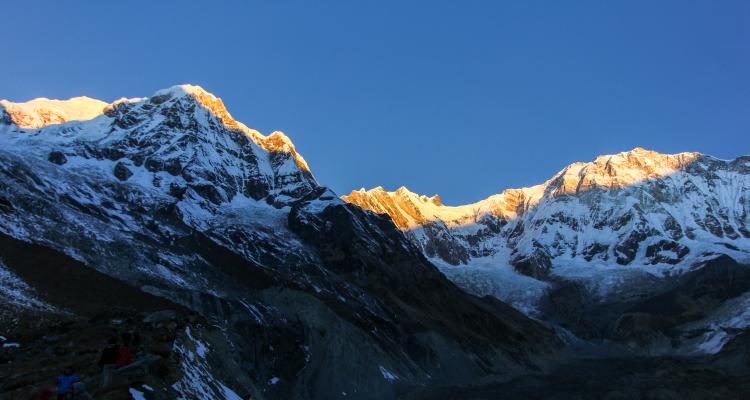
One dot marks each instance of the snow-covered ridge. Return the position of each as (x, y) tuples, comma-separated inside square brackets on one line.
[(14, 292), (617, 170), (623, 170), (406, 208), (409, 209), (656, 213), (40, 112)]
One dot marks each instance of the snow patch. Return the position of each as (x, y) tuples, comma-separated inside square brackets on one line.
[(197, 380), (494, 276), (388, 375), (228, 393), (16, 292), (136, 394)]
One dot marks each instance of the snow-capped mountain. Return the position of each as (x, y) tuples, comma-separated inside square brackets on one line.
[(637, 207), (183, 139), (620, 225), (305, 295)]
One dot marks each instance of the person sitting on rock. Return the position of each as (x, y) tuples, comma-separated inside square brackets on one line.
[(110, 354), (125, 356), (114, 334), (127, 338), (108, 360), (65, 384)]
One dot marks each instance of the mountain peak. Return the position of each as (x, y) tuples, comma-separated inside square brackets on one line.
[(182, 90), (622, 169), (401, 192), (406, 208), (278, 142), (180, 140), (198, 95), (640, 153)]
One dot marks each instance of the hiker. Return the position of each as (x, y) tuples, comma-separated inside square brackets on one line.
[(127, 338), (65, 384), (125, 356), (114, 334), (108, 360), (136, 342)]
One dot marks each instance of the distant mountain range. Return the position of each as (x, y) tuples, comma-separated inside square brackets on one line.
[(618, 225), (111, 213)]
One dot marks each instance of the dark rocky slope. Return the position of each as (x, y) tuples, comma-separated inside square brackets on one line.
[(84, 307)]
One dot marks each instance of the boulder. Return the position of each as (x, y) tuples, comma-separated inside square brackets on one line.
[(57, 157), (122, 172)]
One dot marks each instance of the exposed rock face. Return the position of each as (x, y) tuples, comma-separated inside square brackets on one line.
[(122, 172), (310, 297), (57, 157), (681, 310), (536, 264)]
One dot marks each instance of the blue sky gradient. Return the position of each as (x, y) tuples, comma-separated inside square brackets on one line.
[(462, 99)]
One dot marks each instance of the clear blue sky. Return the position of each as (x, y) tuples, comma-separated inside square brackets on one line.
[(460, 98)]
